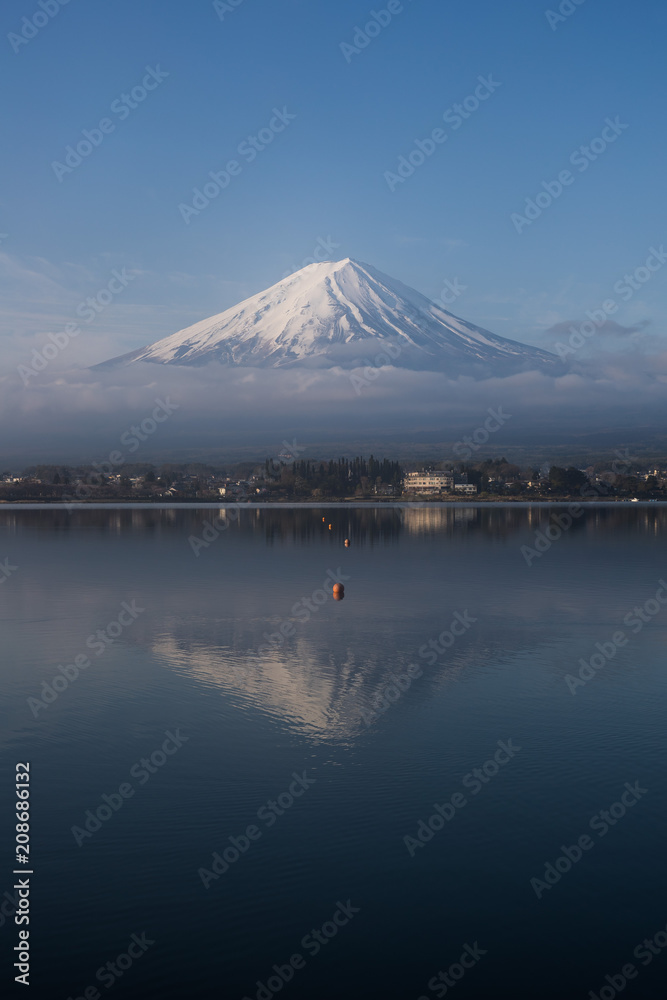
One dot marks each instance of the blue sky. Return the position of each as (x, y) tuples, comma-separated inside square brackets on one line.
[(323, 176)]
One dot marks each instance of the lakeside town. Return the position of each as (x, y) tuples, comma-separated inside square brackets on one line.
[(286, 480)]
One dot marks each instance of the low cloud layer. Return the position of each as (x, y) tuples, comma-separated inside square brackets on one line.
[(77, 415), (617, 381)]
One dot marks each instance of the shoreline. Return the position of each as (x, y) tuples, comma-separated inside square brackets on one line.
[(359, 504)]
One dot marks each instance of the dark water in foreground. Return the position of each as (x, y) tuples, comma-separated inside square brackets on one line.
[(377, 727)]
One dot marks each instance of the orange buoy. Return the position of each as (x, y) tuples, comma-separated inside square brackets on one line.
[(347, 543), (338, 592), (329, 527), (324, 518)]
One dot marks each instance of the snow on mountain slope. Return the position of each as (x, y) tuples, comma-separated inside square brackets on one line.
[(342, 313)]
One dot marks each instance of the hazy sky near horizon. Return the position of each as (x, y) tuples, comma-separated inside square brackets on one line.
[(219, 70)]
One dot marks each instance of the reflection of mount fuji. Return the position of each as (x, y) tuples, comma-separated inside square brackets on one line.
[(327, 696)]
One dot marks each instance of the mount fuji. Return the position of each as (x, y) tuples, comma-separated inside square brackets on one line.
[(343, 314)]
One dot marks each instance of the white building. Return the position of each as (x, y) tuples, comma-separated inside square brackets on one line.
[(428, 482), (465, 488)]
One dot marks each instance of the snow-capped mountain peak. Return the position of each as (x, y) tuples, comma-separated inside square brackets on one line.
[(340, 313)]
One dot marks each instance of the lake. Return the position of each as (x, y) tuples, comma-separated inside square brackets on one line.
[(451, 779)]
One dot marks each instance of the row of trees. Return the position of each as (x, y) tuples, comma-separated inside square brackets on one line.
[(573, 482), (304, 478), (344, 477)]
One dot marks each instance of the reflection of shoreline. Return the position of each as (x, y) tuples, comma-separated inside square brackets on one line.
[(363, 524), (331, 503), (417, 521)]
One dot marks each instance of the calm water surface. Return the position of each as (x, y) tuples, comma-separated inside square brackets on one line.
[(224, 864)]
